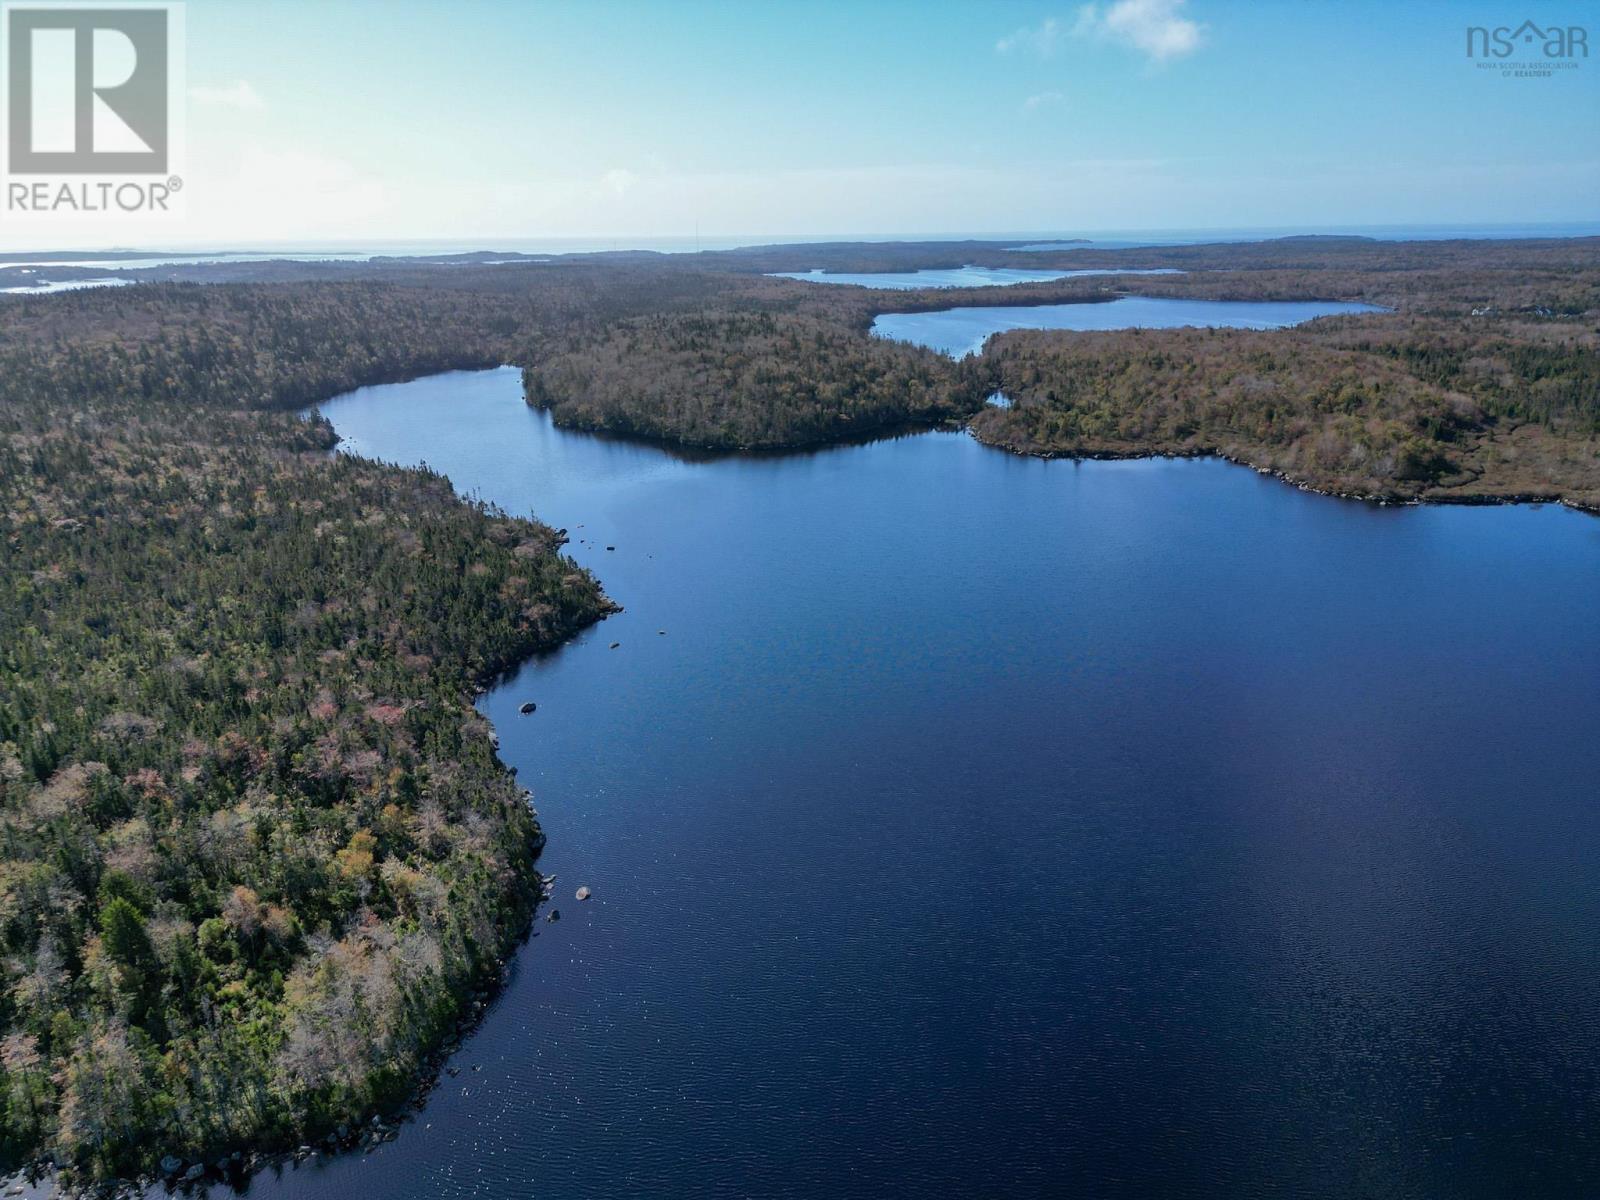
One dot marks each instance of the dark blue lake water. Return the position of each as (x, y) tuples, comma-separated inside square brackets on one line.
[(962, 331), (986, 826)]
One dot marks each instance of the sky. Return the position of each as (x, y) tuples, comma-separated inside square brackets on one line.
[(322, 120)]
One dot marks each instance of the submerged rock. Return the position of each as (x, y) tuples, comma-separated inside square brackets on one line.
[(554, 915)]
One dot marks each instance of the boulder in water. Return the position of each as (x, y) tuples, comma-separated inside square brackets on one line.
[(527, 707), (583, 893)]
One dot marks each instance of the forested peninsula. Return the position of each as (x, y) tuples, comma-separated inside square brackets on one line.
[(1482, 384), (259, 855)]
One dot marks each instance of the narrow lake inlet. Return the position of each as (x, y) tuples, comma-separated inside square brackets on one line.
[(982, 821)]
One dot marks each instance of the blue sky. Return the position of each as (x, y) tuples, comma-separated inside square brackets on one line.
[(332, 118)]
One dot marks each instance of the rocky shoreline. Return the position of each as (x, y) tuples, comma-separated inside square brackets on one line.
[(364, 1136)]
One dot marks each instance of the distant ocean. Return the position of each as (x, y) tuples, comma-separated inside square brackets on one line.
[(358, 250)]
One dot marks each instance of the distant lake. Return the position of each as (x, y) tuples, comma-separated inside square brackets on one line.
[(62, 285), (956, 277), (984, 826), (962, 331), (362, 250)]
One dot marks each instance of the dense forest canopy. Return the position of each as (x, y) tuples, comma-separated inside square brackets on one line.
[(257, 849), (1392, 407), (747, 380)]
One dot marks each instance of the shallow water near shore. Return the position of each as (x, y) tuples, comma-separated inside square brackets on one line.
[(962, 331), (983, 825)]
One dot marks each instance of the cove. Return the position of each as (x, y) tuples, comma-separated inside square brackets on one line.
[(992, 826), (962, 331), (968, 276)]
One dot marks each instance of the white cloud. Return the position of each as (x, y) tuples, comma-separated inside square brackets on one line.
[(1156, 28), (274, 193), (238, 95), (842, 201), (1042, 100), (1041, 41), (618, 181)]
